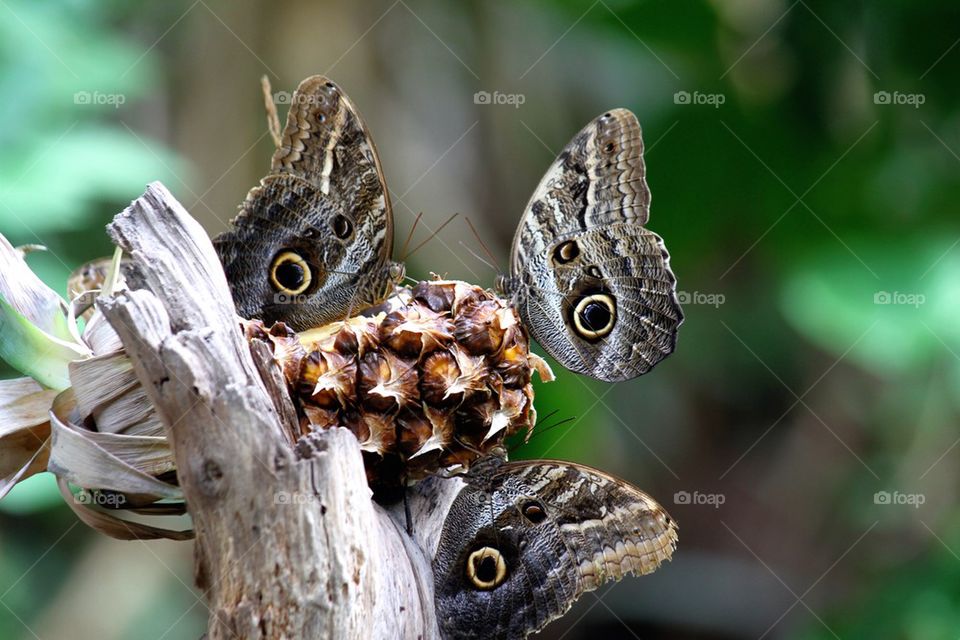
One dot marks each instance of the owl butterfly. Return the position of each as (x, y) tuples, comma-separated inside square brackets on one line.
[(592, 285), (523, 540), (313, 241)]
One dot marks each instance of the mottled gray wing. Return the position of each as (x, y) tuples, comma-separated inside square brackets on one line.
[(313, 241), (518, 548), (611, 527), (293, 257), (327, 143), (593, 286)]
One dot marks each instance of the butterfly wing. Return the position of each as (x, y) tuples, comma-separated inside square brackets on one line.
[(312, 242), (327, 143), (611, 527), (520, 547), (594, 286), (294, 257)]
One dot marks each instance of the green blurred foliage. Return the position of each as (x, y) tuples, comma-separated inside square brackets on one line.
[(66, 167)]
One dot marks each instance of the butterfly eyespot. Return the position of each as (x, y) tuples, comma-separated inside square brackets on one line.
[(534, 512), (594, 316), (342, 226), (566, 252), (290, 273), (486, 568), (594, 272), (609, 148)]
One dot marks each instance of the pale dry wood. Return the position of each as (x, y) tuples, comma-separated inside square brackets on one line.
[(285, 548)]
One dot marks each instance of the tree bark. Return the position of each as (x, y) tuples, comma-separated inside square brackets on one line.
[(285, 547)]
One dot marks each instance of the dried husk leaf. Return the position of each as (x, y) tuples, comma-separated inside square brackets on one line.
[(24, 430), (94, 460), (100, 380), (115, 527), (100, 336)]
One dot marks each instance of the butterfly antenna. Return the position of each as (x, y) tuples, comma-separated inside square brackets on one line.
[(493, 261), (550, 415), (431, 236), (406, 243), (539, 432), (477, 256), (556, 425), (273, 120)]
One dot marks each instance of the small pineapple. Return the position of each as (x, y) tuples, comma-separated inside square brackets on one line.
[(429, 380)]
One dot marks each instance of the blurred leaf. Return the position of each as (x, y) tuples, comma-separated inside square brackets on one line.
[(90, 164), (26, 293), (34, 494), (893, 324), (919, 600), (34, 352)]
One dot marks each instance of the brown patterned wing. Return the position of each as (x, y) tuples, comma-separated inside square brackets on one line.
[(313, 241), (523, 541), (593, 286), (326, 142), (294, 256), (612, 528)]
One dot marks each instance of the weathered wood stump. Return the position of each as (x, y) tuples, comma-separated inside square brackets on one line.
[(285, 547)]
